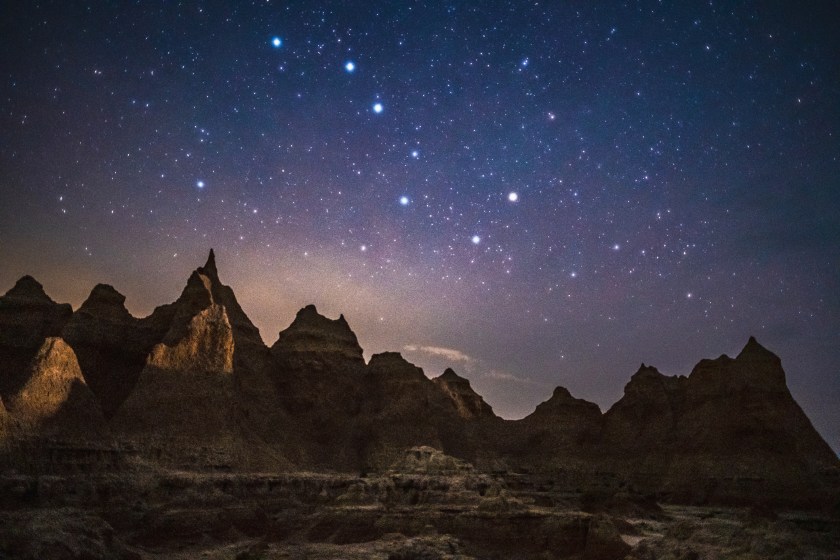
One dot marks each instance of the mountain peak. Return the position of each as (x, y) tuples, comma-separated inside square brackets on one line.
[(209, 268), (468, 403), (28, 288), (104, 295), (308, 311), (55, 396), (312, 333), (753, 349), (450, 375)]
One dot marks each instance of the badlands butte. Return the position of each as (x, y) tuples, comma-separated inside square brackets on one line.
[(182, 435)]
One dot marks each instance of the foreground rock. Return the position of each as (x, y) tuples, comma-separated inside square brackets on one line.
[(304, 515)]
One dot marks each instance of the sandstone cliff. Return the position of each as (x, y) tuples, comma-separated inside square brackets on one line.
[(55, 400)]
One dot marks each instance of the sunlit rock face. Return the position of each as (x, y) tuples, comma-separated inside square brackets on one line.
[(184, 396), (55, 400)]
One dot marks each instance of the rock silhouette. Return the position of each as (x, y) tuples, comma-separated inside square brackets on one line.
[(193, 386)]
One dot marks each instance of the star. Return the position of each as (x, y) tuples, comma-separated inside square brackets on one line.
[(404, 200), (277, 42), (513, 196), (415, 154), (199, 184), (378, 108), (350, 67), (475, 239)]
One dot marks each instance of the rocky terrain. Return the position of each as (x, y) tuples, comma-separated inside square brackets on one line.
[(182, 434)]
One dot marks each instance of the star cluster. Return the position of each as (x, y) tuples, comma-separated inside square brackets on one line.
[(539, 194)]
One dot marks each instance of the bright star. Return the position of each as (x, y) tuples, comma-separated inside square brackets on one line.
[(277, 41), (616, 247), (513, 197), (475, 239), (350, 66), (377, 107), (404, 200), (199, 184), (415, 154)]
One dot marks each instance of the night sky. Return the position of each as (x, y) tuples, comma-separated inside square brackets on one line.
[(537, 194)]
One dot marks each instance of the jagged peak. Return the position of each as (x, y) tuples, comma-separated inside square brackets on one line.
[(646, 371), (308, 310), (449, 375), (563, 402), (393, 362), (209, 268), (28, 288), (105, 294), (754, 350), (308, 318), (313, 333), (561, 393), (389, 357)]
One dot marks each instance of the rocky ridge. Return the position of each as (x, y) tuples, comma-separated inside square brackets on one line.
[(193, 386)]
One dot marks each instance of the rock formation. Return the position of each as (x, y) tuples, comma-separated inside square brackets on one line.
[(403, 408), (318, 342), (728, 429), (27, 317), (469, 404), (429, 461), (193, 386), (110, 344), (55, 399), (562, 432), (184, 396)]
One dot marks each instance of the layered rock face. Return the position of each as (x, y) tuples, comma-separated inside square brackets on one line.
[(404, 408), (55, 400), (202, 382), (186, 388), (317, 342), (470, 404), (193, 386), (318, 369), (562, 433), (730, 429)]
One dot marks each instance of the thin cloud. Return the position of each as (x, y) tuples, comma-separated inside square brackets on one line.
[(505, 376), (441, 352)]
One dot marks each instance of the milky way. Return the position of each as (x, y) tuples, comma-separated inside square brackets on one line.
[(536, 194)]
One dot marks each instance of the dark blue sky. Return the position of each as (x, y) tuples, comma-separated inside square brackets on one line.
[(537, 194)]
